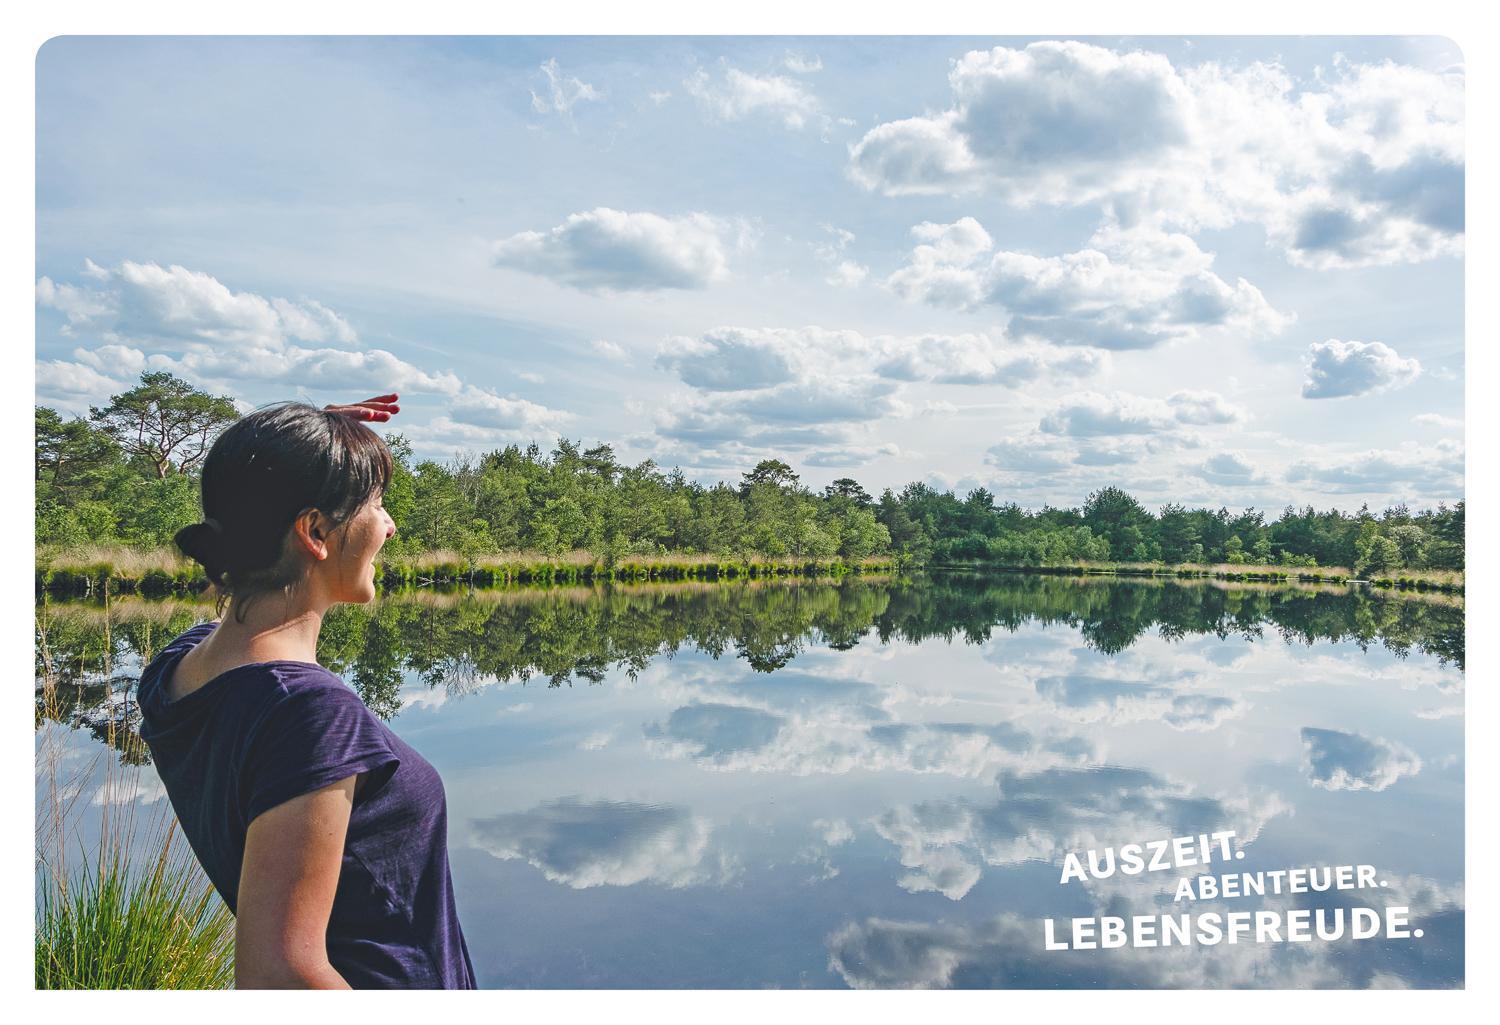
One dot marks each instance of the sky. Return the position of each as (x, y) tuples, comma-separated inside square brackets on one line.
[(1216, 271)]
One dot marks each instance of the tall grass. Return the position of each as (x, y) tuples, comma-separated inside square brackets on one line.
[(119, 924), (123, 560), (132, 910)]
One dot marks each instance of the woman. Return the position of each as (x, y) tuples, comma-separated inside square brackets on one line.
[(325, 834)]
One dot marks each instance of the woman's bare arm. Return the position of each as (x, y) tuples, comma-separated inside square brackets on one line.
[(293, 854)]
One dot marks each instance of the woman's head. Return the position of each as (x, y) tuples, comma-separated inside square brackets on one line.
[(263, 474)]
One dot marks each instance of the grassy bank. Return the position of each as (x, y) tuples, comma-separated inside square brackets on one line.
[(1445, 581), (91, 571)]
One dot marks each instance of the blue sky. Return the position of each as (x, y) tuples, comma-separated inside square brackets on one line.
[(1215, 271)]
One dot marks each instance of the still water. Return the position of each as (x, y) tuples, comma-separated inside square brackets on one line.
[(875, 783)]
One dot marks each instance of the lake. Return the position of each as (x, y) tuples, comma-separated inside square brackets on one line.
[(874, 783)]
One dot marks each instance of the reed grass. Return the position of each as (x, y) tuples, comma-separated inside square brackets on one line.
[(121, 559), (132, 911)]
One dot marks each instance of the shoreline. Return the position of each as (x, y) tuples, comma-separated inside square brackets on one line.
[(162, 572), (1445, 581)]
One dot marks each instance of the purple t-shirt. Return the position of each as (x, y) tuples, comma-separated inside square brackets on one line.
[(262, 734)]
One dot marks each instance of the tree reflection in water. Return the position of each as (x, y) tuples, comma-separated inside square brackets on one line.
[(86, 654)]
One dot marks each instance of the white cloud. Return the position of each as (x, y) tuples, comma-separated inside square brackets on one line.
[(596, 741), (801, 724), (61, 378), (821, 402), (442, 436), (1338, 369), (1229, 469), (79, 305), (583, 844), (1091, 699), (145, 300), (749, 359), (1042, 816), (834, 832), (843, 272), (481, 408), (809, 387), (1092, 414), (562, 93), (1031, 123), (612, 250), (612, 351), (1335, 760), (1204, 408), (1127, 289), (142, 786), (1087, 430), (1438, 420), (740, 739), (1362, 166), (729, 359), (1027, 455), (115, 360), (374, 370), (847, 274), (190, 324), (738, 94), (851, 456), (801, 64), (1436, 469)]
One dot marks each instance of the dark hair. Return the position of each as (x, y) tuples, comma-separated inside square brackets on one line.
[(266, 469)]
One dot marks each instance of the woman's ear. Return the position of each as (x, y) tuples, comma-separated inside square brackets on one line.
[(311, 530)]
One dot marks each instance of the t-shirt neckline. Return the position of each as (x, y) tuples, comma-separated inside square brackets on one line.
[(213, 683)]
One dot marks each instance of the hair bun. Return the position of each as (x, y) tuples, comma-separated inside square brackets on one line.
[(204, 544)]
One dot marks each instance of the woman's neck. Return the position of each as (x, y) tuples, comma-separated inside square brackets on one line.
[(270, 628)]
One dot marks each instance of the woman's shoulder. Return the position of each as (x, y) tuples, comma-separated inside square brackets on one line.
[(171, 652), (308, 688), (303, 713)]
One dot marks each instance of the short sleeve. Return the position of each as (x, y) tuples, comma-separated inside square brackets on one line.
[(315, 733)]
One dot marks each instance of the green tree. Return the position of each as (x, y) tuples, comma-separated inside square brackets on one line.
[(1178, 533), (769, 471), (1121, 520), (849, 489), (439, 516), (152, 511), (1446, 548), (74, 459), (1411, 544), (165, 421)]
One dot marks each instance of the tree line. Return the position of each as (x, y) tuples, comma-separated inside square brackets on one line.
[(127, 473)]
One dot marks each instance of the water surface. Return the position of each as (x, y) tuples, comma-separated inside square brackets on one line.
[(873, 783)]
